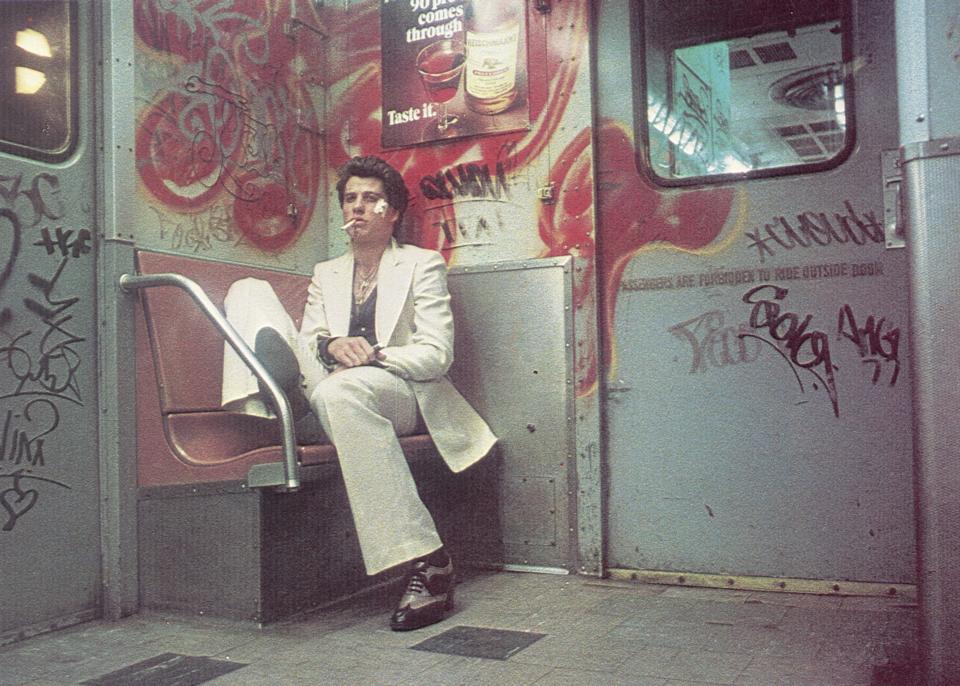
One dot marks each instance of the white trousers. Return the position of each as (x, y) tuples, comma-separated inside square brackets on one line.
[(362, 410)]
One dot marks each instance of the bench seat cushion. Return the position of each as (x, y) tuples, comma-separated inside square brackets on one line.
[(183, 435)]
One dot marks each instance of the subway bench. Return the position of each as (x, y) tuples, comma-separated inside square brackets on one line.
[(211, 544)]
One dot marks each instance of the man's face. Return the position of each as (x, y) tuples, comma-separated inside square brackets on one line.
[(361, 199)]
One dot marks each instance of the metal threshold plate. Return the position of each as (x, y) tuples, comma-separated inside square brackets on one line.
[(471, 641), (167, 669)]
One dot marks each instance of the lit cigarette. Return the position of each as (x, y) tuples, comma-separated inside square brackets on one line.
[(348, 224)]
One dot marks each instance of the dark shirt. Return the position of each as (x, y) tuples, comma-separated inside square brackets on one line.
[(362, 323)]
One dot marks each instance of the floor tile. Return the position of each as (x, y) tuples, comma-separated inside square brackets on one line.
[(579, 677), (463, 671), (705, 666), (595, 632), (790, 671)]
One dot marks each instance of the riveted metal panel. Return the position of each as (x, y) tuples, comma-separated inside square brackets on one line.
[(514, 364), (927, 48)]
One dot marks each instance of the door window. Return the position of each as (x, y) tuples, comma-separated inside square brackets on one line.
[(743, 87), (38, 78)]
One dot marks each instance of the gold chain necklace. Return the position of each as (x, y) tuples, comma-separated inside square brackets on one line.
[(363, 284)]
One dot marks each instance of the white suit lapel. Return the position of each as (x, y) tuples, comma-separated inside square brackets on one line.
[(393, 285)]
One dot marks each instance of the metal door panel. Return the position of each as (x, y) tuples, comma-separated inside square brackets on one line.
[(49, 463), (724, 455)]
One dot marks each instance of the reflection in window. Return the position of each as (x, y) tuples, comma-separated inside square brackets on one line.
[(37, 78), (745, 86)]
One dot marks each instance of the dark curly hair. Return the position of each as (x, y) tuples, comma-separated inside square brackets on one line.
[(394, 187)]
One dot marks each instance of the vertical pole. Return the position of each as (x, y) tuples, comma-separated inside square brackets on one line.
[(930, 161), (115, 335)]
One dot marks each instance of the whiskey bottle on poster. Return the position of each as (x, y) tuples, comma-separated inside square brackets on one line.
[(492, 40)]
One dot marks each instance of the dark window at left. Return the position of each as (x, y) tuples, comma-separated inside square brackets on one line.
[(38, 78)]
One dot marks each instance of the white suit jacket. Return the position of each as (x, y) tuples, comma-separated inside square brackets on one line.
[(414, 326)]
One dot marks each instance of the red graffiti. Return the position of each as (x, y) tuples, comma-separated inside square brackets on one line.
[(567, 228), (270, 220), (635, 214), (356, 113), (180, 152), (187, 28), (239, 128)]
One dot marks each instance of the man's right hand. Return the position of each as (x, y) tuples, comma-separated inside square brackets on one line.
[(352, 351)]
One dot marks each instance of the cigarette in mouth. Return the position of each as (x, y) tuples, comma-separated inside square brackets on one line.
[(348, 225)]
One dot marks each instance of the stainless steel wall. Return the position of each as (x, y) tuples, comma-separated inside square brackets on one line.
[(724, 457), (514, 363), (49, 451)]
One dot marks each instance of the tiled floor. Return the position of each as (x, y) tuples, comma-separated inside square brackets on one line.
[(595, 633)]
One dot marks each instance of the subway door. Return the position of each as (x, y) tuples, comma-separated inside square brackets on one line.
[(49, 483), (757, 393)]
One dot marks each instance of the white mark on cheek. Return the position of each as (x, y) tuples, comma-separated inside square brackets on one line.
[(381, 207)]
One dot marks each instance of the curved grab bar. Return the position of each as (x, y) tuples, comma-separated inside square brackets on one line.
[(129, 282)]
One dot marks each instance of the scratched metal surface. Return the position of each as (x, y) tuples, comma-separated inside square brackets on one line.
[(943, 55), (932, 183), (515, 368), (731, 452), (49, 483)]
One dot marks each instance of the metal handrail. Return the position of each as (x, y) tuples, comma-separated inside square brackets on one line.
[(130, 282)]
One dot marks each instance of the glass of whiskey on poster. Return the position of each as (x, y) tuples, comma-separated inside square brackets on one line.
[(440, 65), (452, 69)]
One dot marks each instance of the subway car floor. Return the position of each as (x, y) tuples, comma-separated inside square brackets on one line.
[(508, 629)]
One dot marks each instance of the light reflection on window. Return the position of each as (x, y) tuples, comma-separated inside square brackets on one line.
[(34, 42), (739, 86), (28, 81), (38, 65)]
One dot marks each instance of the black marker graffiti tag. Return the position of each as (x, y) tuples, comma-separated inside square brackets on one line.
[(76, 247), (470, 180), (874, 345), (200, 231), (10, 222), (813, 228), (54, 371), (22, 443), (43, 196), (17, 501), (806, 350)]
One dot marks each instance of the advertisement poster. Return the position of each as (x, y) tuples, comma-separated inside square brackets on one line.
[(452, 68)]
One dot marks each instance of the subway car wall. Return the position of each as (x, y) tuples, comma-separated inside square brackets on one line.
[(740, 390), (241, 113)]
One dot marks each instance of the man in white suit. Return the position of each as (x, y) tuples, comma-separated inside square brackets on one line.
[(371, 356)]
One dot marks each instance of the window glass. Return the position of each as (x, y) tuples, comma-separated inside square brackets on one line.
[(37, 78), (744, 87)]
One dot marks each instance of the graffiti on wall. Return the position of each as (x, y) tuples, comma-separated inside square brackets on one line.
[(475, 199), (41, 353), (812, 229), (638, 217), (229, 143), (714, 343), (806, 348)]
